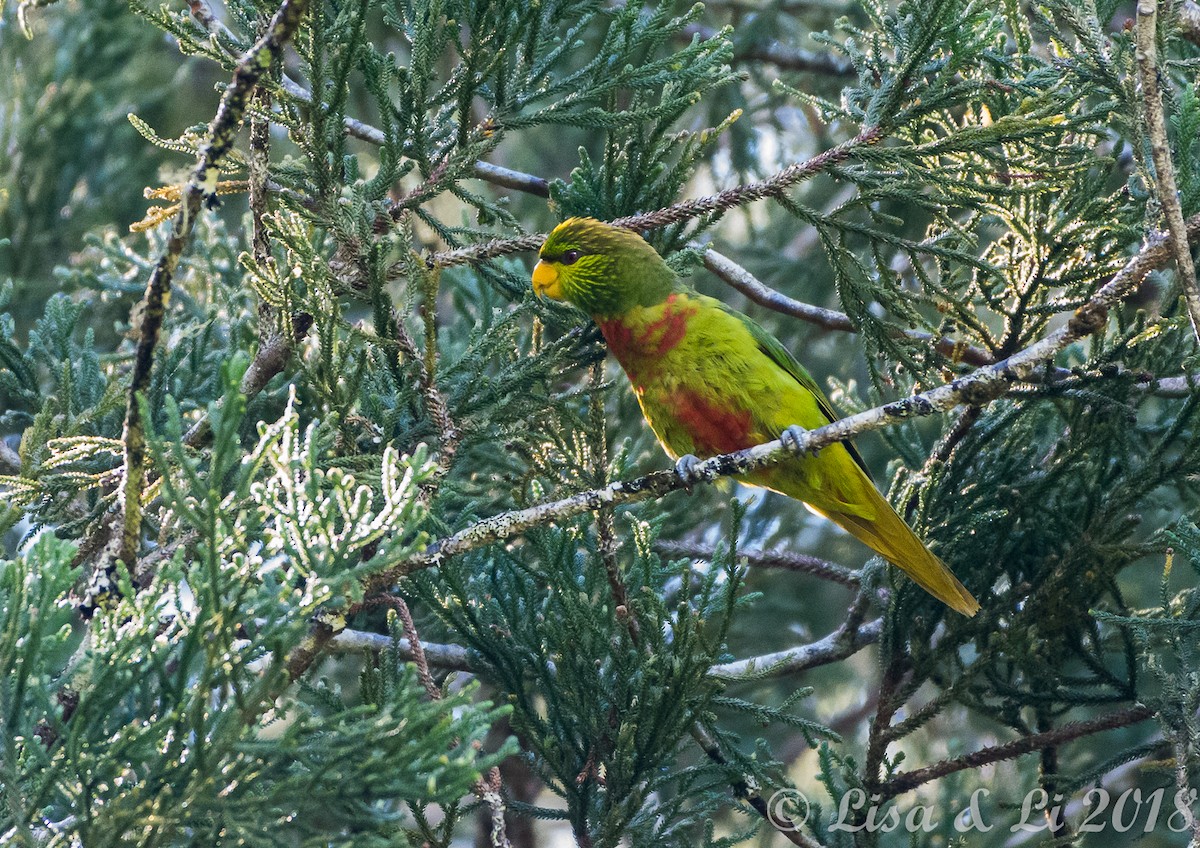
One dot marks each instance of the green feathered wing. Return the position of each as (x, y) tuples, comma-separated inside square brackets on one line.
[(835, 483)]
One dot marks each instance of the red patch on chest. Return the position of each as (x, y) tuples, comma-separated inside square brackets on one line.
[(667, 331), (713, 428), (638, 348)]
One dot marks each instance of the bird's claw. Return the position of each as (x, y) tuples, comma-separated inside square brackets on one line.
[(793, 439), (685, 470)]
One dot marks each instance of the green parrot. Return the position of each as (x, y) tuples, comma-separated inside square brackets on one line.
[(711, 381)]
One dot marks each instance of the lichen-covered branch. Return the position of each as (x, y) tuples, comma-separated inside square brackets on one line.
[(1145, 36), (201, 184), (685, 210), (838, 645)]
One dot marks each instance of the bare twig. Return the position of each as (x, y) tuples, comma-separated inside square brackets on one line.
[(977, 388), (830, 319), (508, 178), (836, 646), (269, 360), (1145, 35), (201, 183), (786, 560), (449, 657), (907, 781)]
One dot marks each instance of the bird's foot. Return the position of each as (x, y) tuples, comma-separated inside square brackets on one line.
[(793, 439), (685, 470)]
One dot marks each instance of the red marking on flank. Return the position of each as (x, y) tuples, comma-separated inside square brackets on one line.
[(714, 429)]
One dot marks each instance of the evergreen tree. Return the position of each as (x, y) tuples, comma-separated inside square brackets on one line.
[(321, 529)]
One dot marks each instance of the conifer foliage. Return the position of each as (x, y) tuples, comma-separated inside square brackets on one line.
[(320, 529)]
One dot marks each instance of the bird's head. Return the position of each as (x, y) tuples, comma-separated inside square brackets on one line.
[(601, 269)]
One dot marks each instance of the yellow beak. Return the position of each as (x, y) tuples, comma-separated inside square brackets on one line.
[(546, 282)]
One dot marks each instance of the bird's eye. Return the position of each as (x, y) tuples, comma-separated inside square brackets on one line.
[(571, 257)]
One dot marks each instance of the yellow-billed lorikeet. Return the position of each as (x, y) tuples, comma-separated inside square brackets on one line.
[(711, 381)]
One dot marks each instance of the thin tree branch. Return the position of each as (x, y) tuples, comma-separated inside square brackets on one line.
[(201, 184), (449, 657), (414, 643), (895, 684), (909, 780), (258, 167), (786, 560), (606, 542), (977, 388), (838, 645), (830, 319), (1184, 386), (796, 59), (10, 460), (784, 57), (508, 178), (1145, 35), (1180, 748), (685, 210), (270, 359), (606, 531), (750, 793), (487, 789), (940, 454)]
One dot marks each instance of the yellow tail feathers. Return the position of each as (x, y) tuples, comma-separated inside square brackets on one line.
[(888, 535), (835, 487)]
